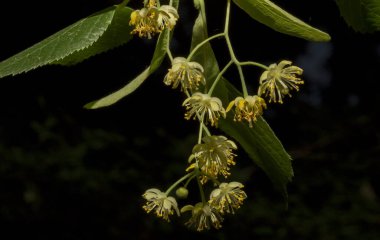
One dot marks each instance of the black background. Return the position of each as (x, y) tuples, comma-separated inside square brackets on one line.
[(71, 173)]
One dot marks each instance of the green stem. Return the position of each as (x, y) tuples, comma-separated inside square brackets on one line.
[(201, 128), (196, 48), (230, 49), (201, 190), (227, 22), (168, 49), (178, 182), (188, 180), (243, 85), (206, 130), (170, 55), (254, 64), (219, 77)]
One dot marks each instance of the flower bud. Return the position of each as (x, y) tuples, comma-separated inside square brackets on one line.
[(182, 192)]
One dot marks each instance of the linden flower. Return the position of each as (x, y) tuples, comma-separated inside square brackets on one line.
[(278, 80), (188, 74), (151, 19), (248, 108), (159, 202), (167, 17), (213, 157), (144, 23), (227, 197), (204, 105), (203, 217)]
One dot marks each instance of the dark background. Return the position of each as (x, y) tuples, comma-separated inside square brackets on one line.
[(71, 173)]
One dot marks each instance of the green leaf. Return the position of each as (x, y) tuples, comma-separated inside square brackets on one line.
[(74, 43), (116, 96), (259, 142), (362, 15), (278, 19), (158, 57), (117, 34)]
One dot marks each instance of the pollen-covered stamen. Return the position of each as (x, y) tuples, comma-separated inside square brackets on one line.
[(204, 105), (167, 17), (144, 22), (248, 108), (160, 203), (279, 80), (213, 157), (151, 19), (228, 197), (204, 216), (188, 74)]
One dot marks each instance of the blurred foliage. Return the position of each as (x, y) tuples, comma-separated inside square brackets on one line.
[(70, 173)]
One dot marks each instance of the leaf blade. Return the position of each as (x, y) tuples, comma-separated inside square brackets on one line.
[(72, 39), (279, 20), (116, 34), (362, 15), (158, 56)]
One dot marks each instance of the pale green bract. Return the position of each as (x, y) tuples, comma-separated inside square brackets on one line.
[(158, 57)]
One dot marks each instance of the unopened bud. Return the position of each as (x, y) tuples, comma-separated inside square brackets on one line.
[(182, 192)]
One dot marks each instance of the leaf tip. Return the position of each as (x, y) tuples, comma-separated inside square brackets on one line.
[(326, 37), (90, 105)]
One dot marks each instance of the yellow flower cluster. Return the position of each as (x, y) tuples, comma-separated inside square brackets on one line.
[(225, 199), (151, 19), (213, 156)]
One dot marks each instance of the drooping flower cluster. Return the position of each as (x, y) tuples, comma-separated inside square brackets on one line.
[(151, 19), (225, 199), (213, 156)]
